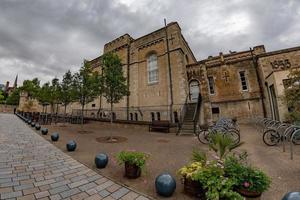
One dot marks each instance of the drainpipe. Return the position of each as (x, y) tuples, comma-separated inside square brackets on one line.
[(170, 73), (262, 96), (128, 68)]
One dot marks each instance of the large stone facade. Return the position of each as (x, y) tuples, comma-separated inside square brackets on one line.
[(238, 84)]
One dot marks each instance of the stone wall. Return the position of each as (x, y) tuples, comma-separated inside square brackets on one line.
[(7, 108), (274, 69)]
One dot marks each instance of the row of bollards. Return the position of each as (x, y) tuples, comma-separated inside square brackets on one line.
[(165, 184)]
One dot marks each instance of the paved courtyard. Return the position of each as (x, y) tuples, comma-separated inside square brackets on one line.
[(32, 168)]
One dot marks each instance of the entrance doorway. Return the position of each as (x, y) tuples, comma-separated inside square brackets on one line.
[(194, 90)]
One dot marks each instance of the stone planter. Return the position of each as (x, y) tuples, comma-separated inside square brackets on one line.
[(249, 194), (194, 188), (132, 171)]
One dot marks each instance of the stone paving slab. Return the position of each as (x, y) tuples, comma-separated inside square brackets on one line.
[(32, 168)]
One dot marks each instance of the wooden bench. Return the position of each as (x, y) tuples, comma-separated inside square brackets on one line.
[(161, 125)]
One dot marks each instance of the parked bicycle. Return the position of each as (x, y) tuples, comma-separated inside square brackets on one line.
[(224, 126)]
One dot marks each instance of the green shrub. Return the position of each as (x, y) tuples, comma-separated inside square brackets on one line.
[(245, 176), (133, 158), (217, 185)]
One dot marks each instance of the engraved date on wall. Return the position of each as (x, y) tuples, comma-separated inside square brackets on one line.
[(281, 64)]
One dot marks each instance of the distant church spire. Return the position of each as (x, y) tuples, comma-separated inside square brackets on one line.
[(16, 82)]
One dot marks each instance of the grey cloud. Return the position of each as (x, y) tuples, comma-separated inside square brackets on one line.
[(45, 38)]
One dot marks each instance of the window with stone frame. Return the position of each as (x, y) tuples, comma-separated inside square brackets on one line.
[(152, 69), (158, 115), (211, 84), (131, 116), (152, 116), (243, 80), (286, 83)]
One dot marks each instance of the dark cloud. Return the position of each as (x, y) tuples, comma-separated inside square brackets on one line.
[(45, 38)]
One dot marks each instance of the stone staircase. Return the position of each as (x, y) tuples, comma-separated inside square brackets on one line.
[(187, 126)]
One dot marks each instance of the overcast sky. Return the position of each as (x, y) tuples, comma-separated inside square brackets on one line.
[(43, 38)]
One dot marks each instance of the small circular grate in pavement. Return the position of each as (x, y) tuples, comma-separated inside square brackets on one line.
[(163, 141), (114, 139)]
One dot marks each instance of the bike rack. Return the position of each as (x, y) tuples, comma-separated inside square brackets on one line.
[(291, 141)]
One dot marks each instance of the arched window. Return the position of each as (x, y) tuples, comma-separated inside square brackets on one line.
[(152, 68)]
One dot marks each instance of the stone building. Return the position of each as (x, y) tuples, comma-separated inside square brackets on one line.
[(166, 82)]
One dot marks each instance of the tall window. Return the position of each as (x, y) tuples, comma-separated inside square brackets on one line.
[(152, 116), (211, 84), (136, 116), (131, 116), (243, 80), (158, 115), (152, 69)]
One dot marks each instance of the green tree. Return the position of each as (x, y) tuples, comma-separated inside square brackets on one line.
[(54, 94), (292, 94), (114, 82), (43, 95), (1, 97), (14, 97), (31, 87), (66, 92), (85, 86)]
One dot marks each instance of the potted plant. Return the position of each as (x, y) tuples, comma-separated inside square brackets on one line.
[(215, 183), (134, 162), (192, 187), (249, 181)]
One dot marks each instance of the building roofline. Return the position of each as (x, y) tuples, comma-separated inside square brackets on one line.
[(158, 30), (189, 49), (287, 50)]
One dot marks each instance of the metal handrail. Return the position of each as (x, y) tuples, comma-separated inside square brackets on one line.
[(196, 113), (182, 113)]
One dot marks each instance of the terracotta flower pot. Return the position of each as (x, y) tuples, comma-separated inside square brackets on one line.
[(246, 193), (194, 188), (132, 171)]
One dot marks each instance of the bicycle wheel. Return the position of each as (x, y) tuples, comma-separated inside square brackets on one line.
[(235, 135), (203, 136), (296, 139), (271, 137)]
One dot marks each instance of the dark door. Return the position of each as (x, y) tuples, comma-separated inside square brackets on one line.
[(274, 103)]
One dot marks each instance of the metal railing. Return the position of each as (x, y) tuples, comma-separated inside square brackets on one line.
[(277, 133)]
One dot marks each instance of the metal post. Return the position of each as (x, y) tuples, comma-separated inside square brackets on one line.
[(170, 73), (259, 84)]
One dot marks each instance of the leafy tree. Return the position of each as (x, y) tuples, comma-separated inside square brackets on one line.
[(66, 92), (43, 95), (292, 94), (14, 97), (54, 93), (1, 97), (85, 86), (114, 82), (31, 87)]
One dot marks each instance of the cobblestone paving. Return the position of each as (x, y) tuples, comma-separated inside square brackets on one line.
[(32, 168)]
